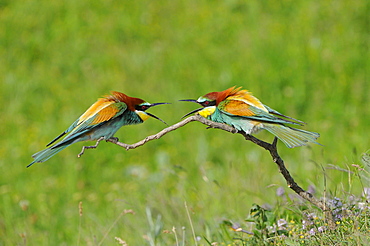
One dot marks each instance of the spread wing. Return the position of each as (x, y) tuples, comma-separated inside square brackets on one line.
[(101, 111), (242, 108)]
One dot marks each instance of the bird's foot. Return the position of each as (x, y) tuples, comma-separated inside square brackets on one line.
[(113, 140), (90, 147)]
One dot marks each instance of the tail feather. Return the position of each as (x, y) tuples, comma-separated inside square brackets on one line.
[(46, 154), (292, 137)]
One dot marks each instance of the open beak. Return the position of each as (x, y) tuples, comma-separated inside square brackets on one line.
[(192, 112), (155, 117)]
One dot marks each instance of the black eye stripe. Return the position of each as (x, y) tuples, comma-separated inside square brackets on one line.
[(208, 103), (141, 107)]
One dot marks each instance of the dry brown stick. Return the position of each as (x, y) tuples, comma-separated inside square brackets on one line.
[(160, 134), (269, 147), (289, 179)]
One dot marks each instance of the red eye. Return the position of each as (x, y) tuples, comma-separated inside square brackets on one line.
[(144, 107), (208, 103)]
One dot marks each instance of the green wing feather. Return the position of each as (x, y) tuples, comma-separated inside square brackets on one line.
[(251, 112), (99, 112), (273, 111)]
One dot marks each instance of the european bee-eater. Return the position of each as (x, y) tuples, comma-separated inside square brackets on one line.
[(240, 109), (101, 121)]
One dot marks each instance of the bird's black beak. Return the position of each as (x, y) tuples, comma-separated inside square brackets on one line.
[(189, 100), (155, 117), (192, 112), (155, 104)]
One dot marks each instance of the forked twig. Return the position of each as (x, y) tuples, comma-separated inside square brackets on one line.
[(272, 148), (90, 147)]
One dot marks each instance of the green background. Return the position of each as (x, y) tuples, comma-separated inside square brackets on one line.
[(306, 59)]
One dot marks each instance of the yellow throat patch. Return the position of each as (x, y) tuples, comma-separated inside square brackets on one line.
[(144, 116), (207, 111)]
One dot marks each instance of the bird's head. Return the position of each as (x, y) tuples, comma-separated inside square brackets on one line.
[(142, 107), (137, 105), (210, 101)]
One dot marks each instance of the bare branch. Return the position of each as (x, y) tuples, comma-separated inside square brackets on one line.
[(289, 179), (160, 134), (272, 148)]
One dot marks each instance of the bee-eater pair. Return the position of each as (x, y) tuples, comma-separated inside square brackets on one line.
[(233, 106)]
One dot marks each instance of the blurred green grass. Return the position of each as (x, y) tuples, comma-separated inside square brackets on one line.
[(306, 59)]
